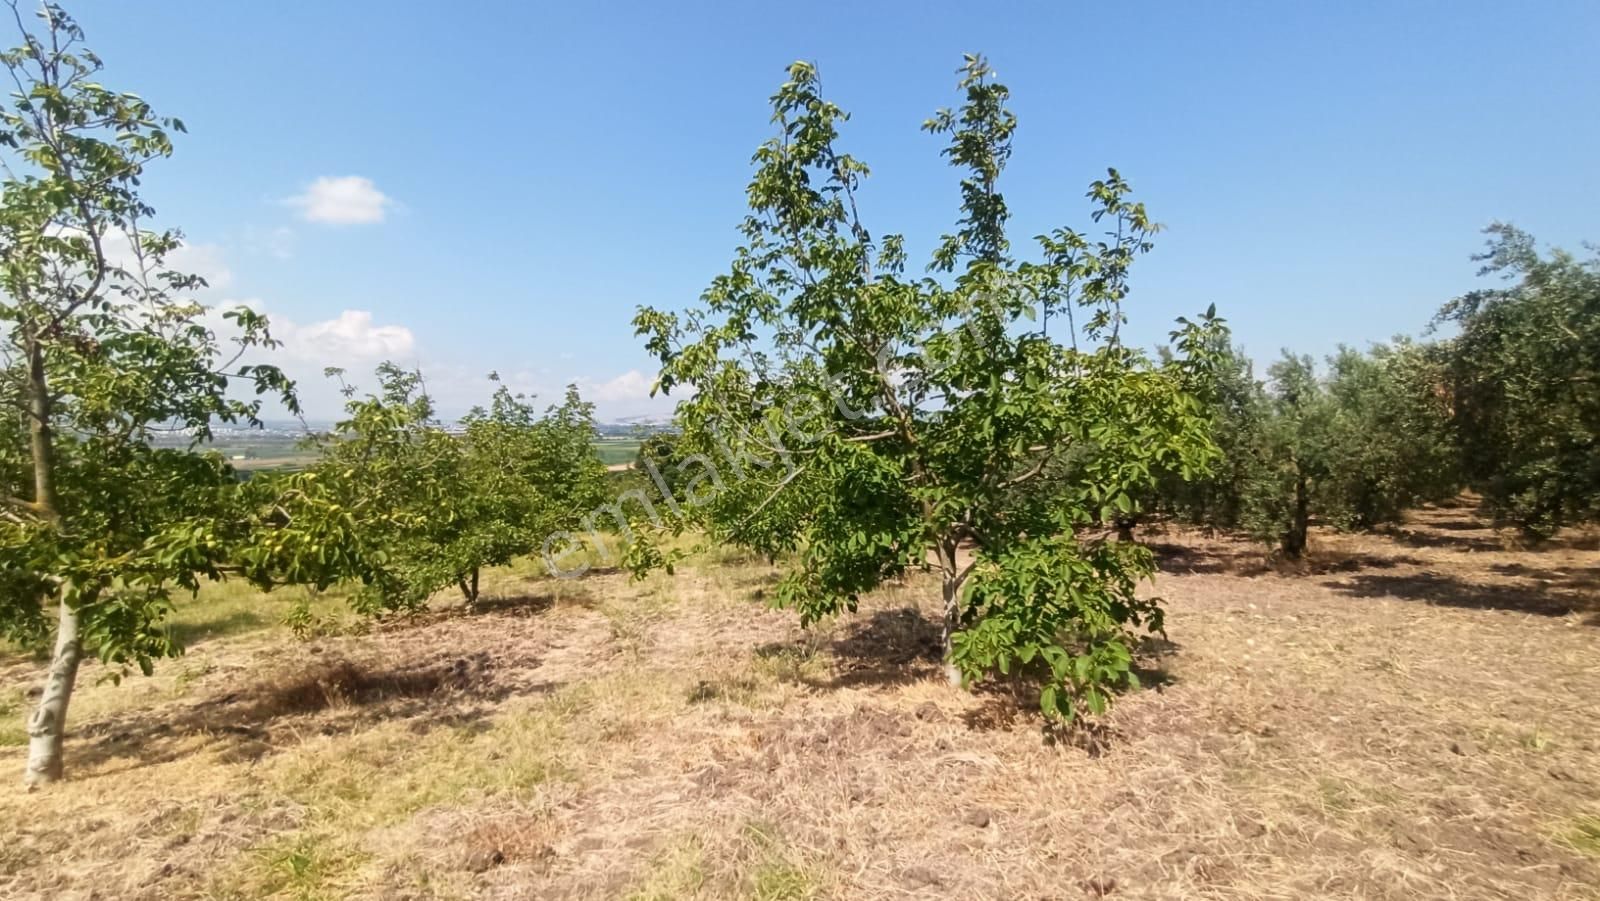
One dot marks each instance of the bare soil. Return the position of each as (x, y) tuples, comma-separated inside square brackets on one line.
[(1402, 716)]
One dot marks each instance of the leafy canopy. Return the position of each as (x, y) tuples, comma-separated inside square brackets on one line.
[(1524, 372), (871, 421), (102, 348), (406, 506), (1352, 448)]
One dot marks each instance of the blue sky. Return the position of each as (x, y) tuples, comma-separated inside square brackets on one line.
[(502, 183)]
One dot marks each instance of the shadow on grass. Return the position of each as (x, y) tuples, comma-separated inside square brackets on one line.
[(1445, 591), (1241, 557), (902, 646), (1183, 559), (1576, 578), (890, 647), (1449, 536), (515, 604), (189, 634), (1150, 662), (332, 695)]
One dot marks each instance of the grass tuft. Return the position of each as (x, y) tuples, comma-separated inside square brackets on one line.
[(678, 872), (1585, 834)]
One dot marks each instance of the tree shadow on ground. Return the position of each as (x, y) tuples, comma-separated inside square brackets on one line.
[(512, 604), (1456, 538), (1321, 563), (334, 695), (488, 605), (1002, 702), (1241, 559), (1445, 591), (1577, 578), (890, 647), (757, 586), (1150, 661), (1458, 525), (1182, 559), (191, 634), (1002, 705), (507, 605), (1583, 541)]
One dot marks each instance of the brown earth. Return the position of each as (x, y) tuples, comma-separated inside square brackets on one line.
[(1403, 716)]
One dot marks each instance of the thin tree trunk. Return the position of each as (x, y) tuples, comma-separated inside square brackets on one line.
[(469, 587), (41, 437), (47, 725), (950, 594), (952, 613), (1294, 541)]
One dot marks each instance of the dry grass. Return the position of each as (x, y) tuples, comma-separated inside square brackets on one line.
[(1404, 716)]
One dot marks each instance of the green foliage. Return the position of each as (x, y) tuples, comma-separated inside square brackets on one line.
[(407, 507), (1393, 445), (102, 347), (1353, 449), (661, 457), (1524, 374), (1237, 407), (870, 421), (1293, 457), (1060, 610)]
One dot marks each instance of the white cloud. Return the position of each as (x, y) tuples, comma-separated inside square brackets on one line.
[(351, 341), (625, 396), (342, 200), (631, 386), (356, 341), (351, 337)]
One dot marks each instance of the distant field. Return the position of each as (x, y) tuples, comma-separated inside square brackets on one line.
[(617, 450), (285, 463)]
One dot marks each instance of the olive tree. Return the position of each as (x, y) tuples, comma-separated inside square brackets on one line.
[(1393, 445), (103, 348), (1292, 458), (1236, 405), (870, 421), (1352, 448), (1524, 376)]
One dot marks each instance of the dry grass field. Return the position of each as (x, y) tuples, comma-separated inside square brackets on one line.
[(1405, 716)]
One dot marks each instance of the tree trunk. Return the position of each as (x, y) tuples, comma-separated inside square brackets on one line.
[(1294, 540), (469, 587), (952, 621), (41, 438), (47, 725), (950, 593)]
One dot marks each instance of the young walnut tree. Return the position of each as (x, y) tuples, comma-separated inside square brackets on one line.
[(406, 507), (862, 421), (100, 349)]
